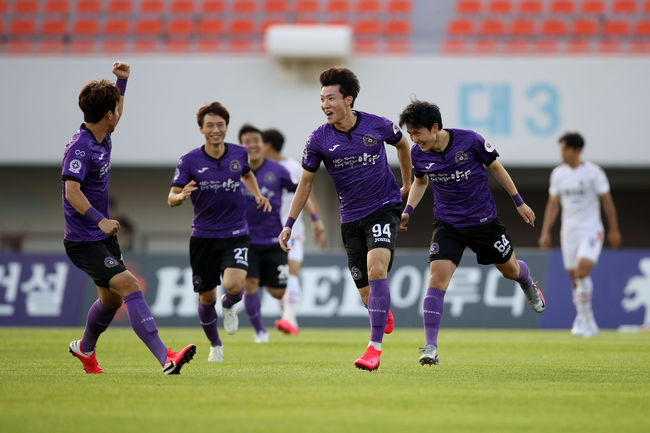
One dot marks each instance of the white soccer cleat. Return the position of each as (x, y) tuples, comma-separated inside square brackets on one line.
[(216, 354), (230, 319), (578, 326), (429, 355), (262, 337), (591, 329)]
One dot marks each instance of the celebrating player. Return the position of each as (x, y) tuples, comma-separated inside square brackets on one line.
[(579, 187), (90, 235), (465, 215), (351, 145), (211, 176), (273, 144)]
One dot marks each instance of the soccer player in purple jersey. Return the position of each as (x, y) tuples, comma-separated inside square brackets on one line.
[(211, 176), (351, 145), (453, 161), (268, 264), (90, 239)]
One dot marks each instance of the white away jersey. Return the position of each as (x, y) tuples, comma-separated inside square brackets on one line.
[(579, 190), (295, 170)]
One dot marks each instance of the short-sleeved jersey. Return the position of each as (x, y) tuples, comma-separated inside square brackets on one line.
[(219, 208), (579, 190), (295, 170), (461, 195), (272, 178), (88, 162), (357, 162)]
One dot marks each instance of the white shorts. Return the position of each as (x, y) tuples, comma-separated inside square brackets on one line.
[(297, 252), (585, 244)]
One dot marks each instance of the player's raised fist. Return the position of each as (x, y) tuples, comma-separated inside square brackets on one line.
[(121, 69)]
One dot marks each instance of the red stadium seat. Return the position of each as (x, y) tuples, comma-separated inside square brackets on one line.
[(646, 7), (460, 27), (639, 47), (51, 47), (338, 6), (117, 28), (26, 6), (564, 7), (453, 47), (268, 23), (516, 47), (398, 28), (57, 7), (114, 46), (522, 27), (368, 7), (276, 7), (595, 7), (151, 6), (365, 47), (242, 27), (642, 28), (397, 47), (244, 6), (492, 27), (399, 7), (617, 28), (545, 47), (81, 46), (146, 46), (485, 47), (578, 47), (212, 7), (86, 27), (180, 28), (585, 28), (4, 7), (173, 46), (624, 7), (148, 27), (88, 7), (609, 47), (180, 7), (54, 27), (210, 27), (20, 47), (532, 7), (468, 7), (120, 7), (367, 28), (500, 7), (555, 28), (208, 46), (22, 27), (307, 6)]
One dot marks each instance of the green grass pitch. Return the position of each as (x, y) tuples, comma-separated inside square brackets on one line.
[(487, 381)]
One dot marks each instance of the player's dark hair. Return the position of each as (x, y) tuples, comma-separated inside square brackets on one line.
[(348, 82), (246, 128), (274, 138), (421, 114), (212, 108), (573, 140), (98, 98)]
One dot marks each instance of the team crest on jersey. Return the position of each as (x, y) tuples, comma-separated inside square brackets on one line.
[(269, 177), (461, 157), (369, 140), (75, 166), (110, 262), (434, 248), (488, 146), (356, 273), (235, 165)]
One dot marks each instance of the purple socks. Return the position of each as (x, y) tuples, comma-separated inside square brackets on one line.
[(229, 300), (99, 317), (524, 279), (254, 311), (208, 319), (144, 325), (432, 309), (378, 306)]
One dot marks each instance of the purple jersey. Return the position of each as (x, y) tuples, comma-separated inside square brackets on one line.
[(219, 209), (458, 179), (357, 162), (88, 162), (272, 177)]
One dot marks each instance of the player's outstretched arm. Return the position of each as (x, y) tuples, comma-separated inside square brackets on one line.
[(404, 158), (80, 203), (613, 232), (122, 71), (177, 195), (415, 195), (550, 215), (251, 185), (501, 175)]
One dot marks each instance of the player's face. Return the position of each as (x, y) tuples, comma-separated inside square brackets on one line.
[(253, 143), (334, 105), (570, 155), (423, 137), (214, 129)]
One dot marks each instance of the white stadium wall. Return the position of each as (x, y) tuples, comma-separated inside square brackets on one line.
[(521, 105)]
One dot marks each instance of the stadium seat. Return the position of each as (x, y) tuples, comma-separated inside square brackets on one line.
[(88, 7), (182, 7), (397, 47), (616, 28), (492, 27), (117, 28), (244, 6), (26, 6), (209, 27), (399, 7), (4, 7), (367, 7), (151, 7), (453, 47), (146, 46), (609, 47), (57, 7), (19, 47), (268, 23), (147, 27), (646, 7), (54, 27), (516, 47), (81, 46), (562, 7), (179, 28), (522, 27), (212, 7), (500, 7), (485, 47), (468, 7), (639, 47), (173, 46), (85, 27), (642, 28), (338, 6), (276, 7), (120, 7), (365, 47), (460, 27), (306, 6), (242, 27), (593, 7), (553, 28), (545, 46), (109, 46), (398, 28), (584, 28), (207, 46), (51, 47), (624, 7), (579, 46), (531, 7), (366, 28), (22, 27)]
